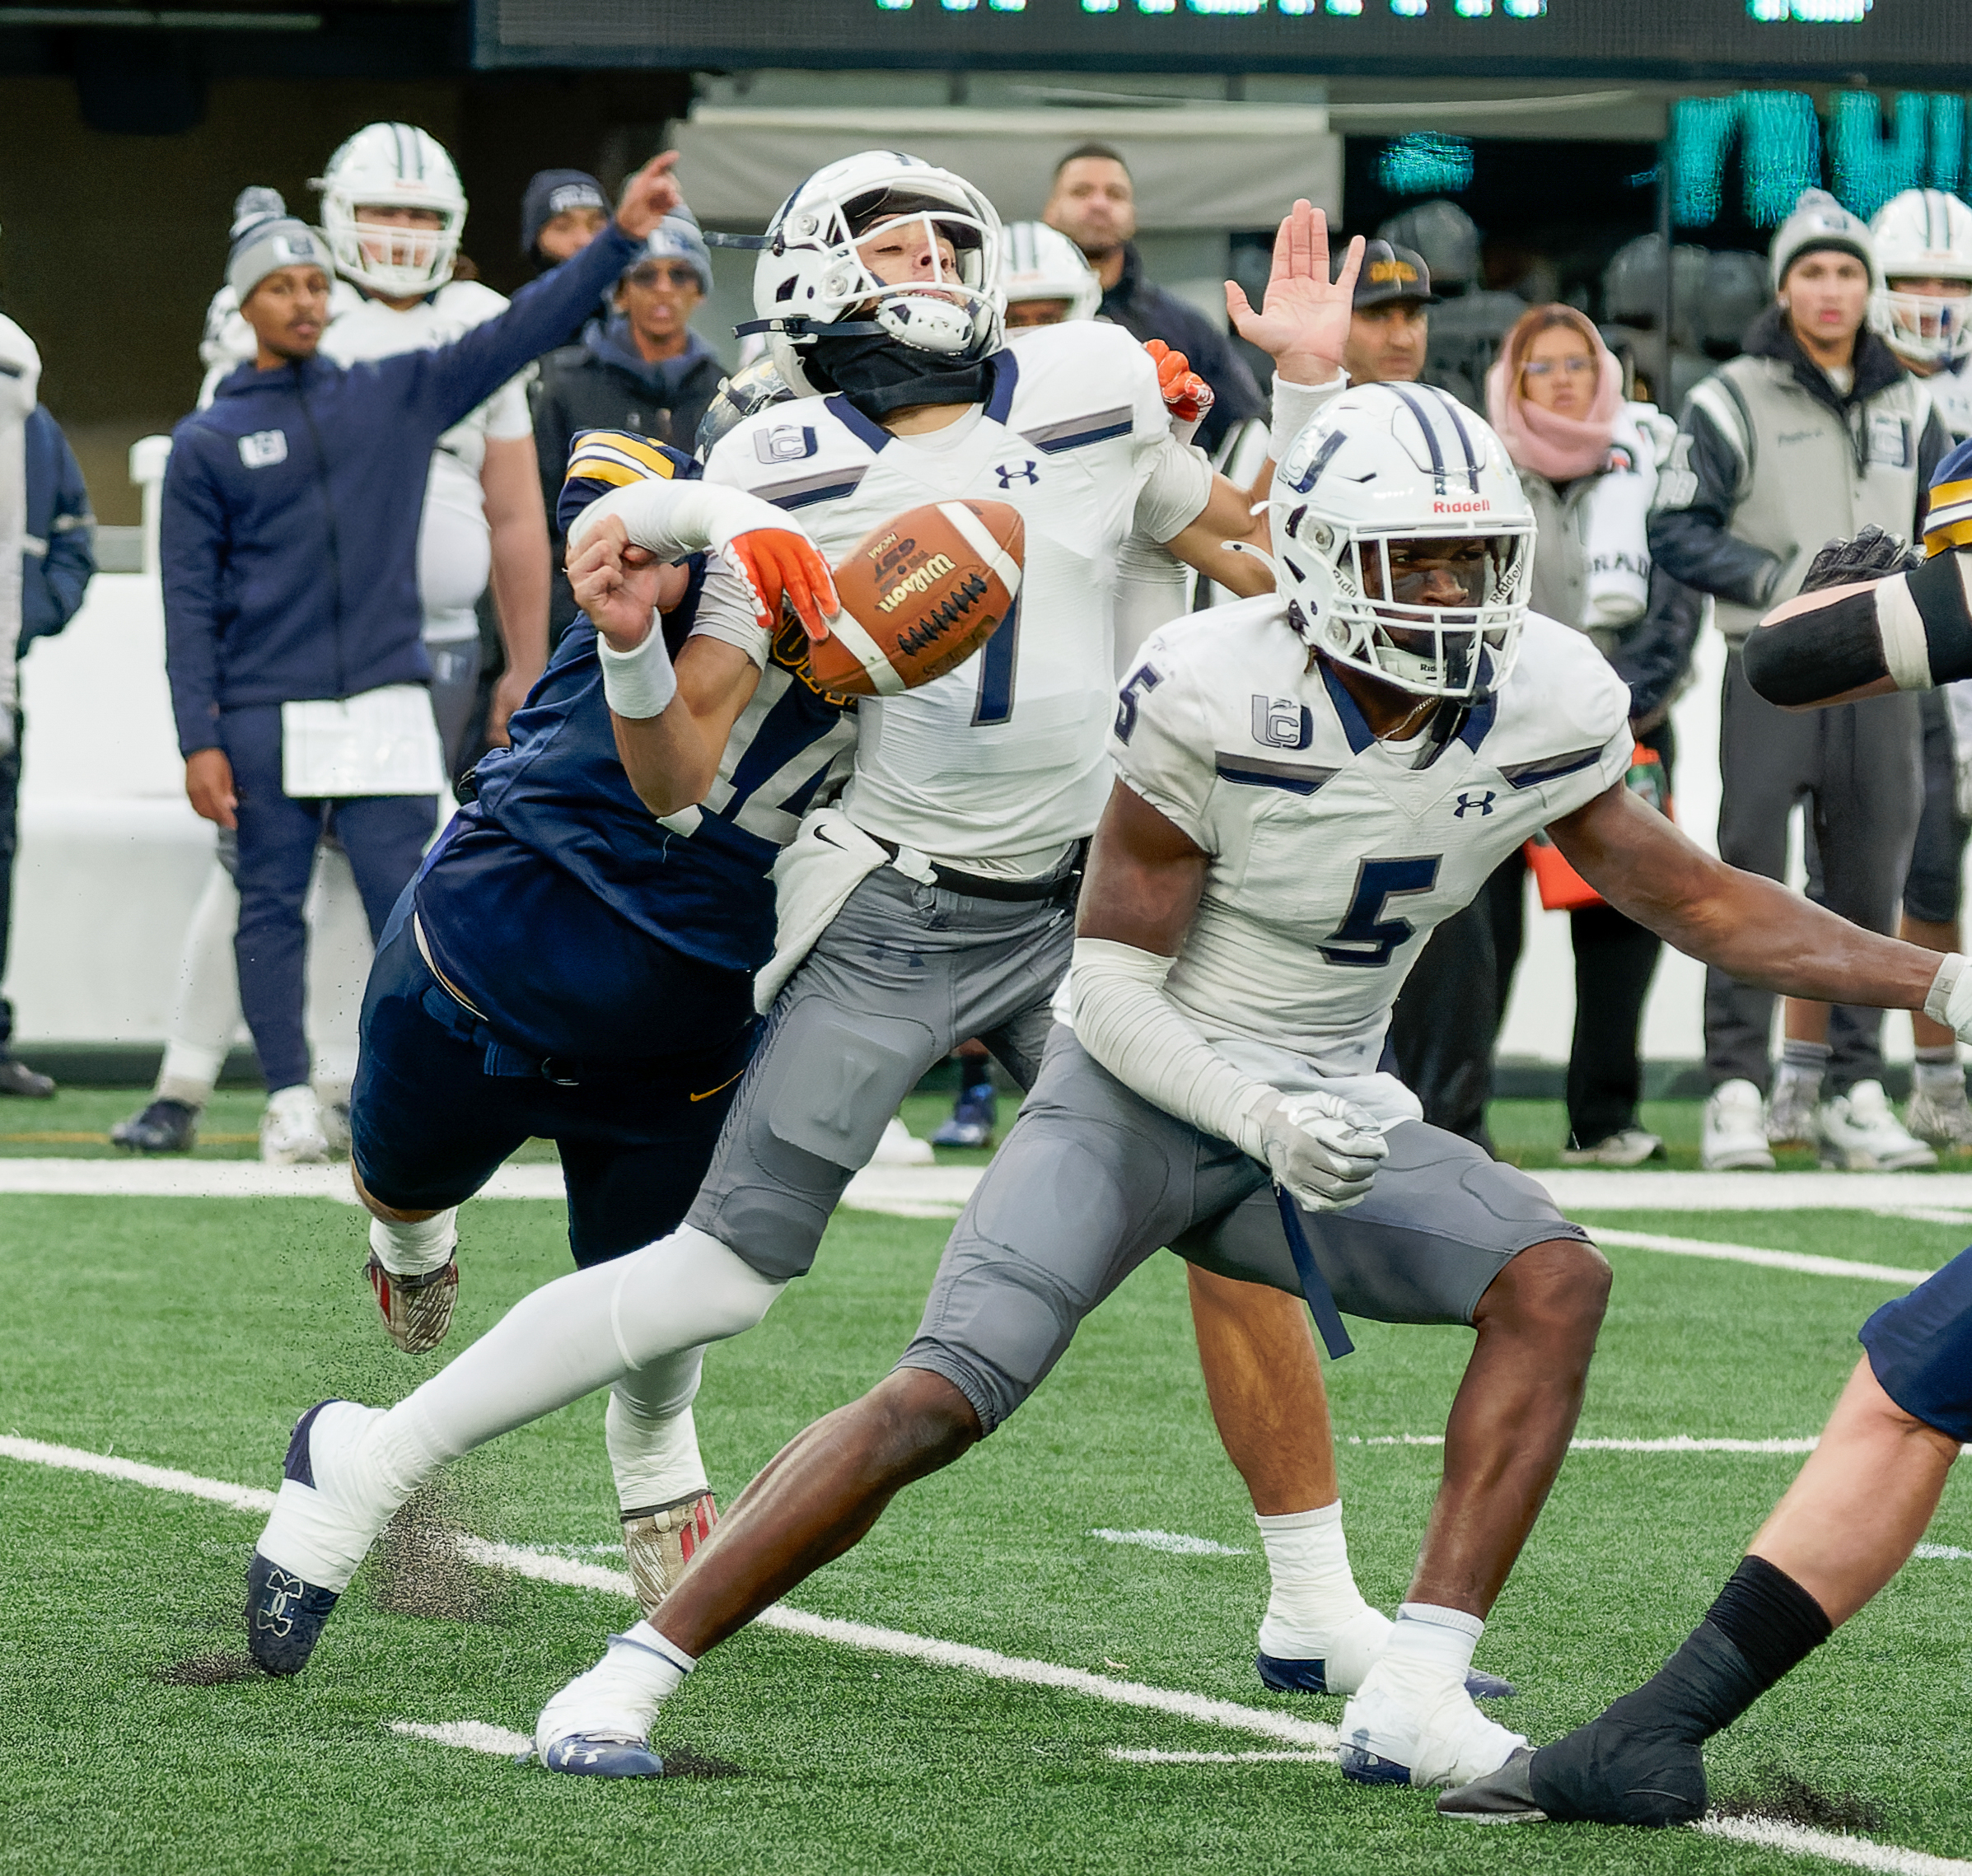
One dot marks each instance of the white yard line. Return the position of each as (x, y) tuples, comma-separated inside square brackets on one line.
[(1751, 1253), (1857, 1853), (1672, 1443), (475, 1735), (1174, 1543), (1150, 1756)]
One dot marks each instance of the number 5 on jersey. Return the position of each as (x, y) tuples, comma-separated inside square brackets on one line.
[(1365, 936)]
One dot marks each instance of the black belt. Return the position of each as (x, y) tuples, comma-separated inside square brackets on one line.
[(1063, 885)]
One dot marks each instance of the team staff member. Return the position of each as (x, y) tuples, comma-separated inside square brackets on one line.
[(1094, 204), (289, 542), (1815, 431), (642, 369), (560, 212)]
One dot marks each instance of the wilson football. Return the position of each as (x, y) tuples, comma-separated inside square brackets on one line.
[(919, 595)]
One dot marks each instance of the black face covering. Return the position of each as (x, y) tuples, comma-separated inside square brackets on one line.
[(878, 374)]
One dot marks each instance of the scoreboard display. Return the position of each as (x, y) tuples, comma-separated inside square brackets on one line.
[(1885, 41)]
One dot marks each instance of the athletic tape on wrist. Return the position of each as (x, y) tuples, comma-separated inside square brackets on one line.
[(638, 684), (1937, 1000)]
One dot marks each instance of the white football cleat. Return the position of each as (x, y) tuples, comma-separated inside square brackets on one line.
[(1386, 1739), (600, 1723), (1861, 1133), (900, 1147), (1942, 1115), (1735, 1137), (1631, 1147), (291, 1129)]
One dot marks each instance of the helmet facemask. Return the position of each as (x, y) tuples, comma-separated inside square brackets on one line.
[(393, 258), (948, 312), (1924, 328)]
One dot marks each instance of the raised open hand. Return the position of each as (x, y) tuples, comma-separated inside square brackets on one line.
[(1303, 321)]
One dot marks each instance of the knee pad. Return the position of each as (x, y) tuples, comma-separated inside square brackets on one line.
[(837, 1077)]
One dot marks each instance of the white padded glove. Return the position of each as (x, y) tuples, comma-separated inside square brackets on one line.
[(1950, 999), (1324, 1149)]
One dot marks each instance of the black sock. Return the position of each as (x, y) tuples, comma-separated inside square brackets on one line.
[(1639, 1763)]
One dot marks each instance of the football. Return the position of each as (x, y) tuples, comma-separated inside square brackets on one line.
[(919, 595)]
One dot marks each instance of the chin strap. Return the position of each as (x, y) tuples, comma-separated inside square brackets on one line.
[(796, 327)]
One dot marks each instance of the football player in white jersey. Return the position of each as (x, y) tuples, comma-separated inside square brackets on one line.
[(1923, 312), (393, 211), (1308, 782), (924, 910)]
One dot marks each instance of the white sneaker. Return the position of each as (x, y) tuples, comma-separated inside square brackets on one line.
[(335, 1127), (1942, 1116), (291, 1130), (900, 1147), (1792, 1112), (1735, 1136), (1386, 1741), (1631, 1147), (1860, 1131), (600, 1723)]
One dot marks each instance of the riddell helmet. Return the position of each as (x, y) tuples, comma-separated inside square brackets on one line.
[(1043, 263), (399, 166), (1923, 234), (1385, 464), (810, 274)]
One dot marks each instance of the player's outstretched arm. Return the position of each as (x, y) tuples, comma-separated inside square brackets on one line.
[(1753, 929), (1868, 626)]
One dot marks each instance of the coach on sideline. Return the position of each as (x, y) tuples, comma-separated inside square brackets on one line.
[(288, 544)]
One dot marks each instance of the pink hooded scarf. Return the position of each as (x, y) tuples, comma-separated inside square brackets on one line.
[(1560, 448)]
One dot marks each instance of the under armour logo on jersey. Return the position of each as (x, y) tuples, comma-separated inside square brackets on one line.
[(1281, 723), (785, 443), (1028, 471), (1483, 804), (264, 449)]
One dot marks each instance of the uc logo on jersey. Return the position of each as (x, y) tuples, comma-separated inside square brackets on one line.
[(785, 443), (1009, 473), (1280, 723)]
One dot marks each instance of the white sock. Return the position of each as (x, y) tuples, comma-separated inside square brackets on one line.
[(619, 1697), (1428, 1651), (653, 1440), (1937, 1070), (205, 1011), (566, 1339), (1314, 1595), (416, 1250), (322, 1531)]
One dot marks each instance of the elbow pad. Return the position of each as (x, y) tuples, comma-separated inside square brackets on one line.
[(1915, 628)]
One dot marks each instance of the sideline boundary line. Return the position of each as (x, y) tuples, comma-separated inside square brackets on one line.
[(1801, 1261)]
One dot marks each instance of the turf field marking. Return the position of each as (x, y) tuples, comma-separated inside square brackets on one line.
[(1858, 1853), (1941, 1553), (1749, 1253), (1150, 1756), (1673, 1443), (159, 1478), (1174, 1543), (475, 1735)]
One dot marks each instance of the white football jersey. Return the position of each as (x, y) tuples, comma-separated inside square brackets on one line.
[(1332, 856), (1951, 396), (998, 765)]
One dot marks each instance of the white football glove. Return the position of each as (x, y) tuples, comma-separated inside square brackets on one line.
[(1950, 999), (1324, 1149)]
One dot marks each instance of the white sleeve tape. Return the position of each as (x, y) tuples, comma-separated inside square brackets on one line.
[(638, 684), (1295, 407), (675, 519), (1901, 628)]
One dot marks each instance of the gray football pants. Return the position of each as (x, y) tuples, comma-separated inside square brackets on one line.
[(1093, 1180), (903, 974), (1857, 767)]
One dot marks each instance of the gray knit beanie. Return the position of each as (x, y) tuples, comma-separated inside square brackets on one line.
[(266, 246)]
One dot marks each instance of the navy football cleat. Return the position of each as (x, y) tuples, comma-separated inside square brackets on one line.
[(284, 1616), (596, 1755), (1311, 1678)]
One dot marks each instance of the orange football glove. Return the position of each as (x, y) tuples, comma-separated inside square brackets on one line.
[(1186, 395), (784, 567)]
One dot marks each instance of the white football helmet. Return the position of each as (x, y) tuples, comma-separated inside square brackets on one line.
[(1043, 263), (810, 273), (400, 166), (1923, 234), (1382, 475)]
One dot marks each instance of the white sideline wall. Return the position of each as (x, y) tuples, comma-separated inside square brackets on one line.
[(112, 857)]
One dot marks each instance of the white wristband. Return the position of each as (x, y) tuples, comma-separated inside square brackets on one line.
[(638, 684), (1938, 998), (1295, 407)]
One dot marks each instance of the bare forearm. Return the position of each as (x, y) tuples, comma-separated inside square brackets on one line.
[(665, 757), (520, 584)]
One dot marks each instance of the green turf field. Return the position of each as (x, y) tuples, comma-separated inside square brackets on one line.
[(188, 1333)]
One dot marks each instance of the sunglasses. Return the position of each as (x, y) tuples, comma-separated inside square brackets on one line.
[(662, 273), (1542, 367)]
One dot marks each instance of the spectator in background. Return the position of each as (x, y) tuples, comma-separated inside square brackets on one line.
[(1589, 462), (1471, 321), (47, 555), (1390, 326), (289, 549), (1816, 431), (643, 370), (562, 211), (1094, 204)]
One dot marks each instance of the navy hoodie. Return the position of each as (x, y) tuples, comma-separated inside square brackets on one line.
[(292, 505)]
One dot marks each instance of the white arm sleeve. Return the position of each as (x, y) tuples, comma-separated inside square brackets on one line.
[(1122, 1017), (1149, 593), (1296, 406), (1174, 492), (674, 519)]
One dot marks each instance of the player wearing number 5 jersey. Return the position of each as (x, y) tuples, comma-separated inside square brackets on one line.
[(1308, 783)]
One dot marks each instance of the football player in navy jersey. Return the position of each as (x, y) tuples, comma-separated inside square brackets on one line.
[(566, 966)]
